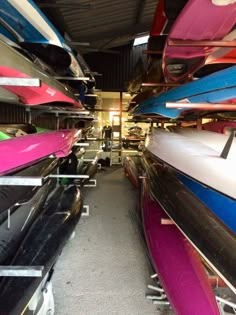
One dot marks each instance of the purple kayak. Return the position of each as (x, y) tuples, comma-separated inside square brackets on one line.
[(17, 153), (178, 265)]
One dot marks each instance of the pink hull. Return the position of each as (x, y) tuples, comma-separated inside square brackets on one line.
[(199, 20), (178, 265), (17, 153), (35, 95), (131, 171), (219, 126)]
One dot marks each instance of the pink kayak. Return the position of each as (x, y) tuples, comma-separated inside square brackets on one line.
[(223, 126), (178, 265), (17, 153), (212, 23)]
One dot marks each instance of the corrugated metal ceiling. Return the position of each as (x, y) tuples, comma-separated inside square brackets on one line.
[(103, 24)]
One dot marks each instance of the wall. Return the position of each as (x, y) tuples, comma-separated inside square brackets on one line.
[(116, 69)]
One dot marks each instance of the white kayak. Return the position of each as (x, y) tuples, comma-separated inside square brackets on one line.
[(197, 155)]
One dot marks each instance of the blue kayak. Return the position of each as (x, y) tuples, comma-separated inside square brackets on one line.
[(217, 87), (24, 23)]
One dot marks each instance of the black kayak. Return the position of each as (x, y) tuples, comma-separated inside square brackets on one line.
[(215, 242), (10, 195), (41, 247), (15, 226)]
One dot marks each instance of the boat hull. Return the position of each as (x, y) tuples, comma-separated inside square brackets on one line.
[(176, 262), (218, 20), (215, 242), (15, 227), (34, 147), (13, 64), (11, 196), (214, 88), (41, 247), (24, 23)]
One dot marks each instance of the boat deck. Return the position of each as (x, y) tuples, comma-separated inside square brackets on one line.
[(104, 270)]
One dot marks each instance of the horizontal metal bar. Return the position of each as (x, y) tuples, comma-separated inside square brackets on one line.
[(206, 106), (161, 302), (81, 144), (68, 176), (21, 271), (69, 112), (93, 183), (201, 43), (72, 78), (20, 81), (165, 221), (160, 84), (91, 139), (88, 160), (155, 288), (225, 302), (156, 297), (21, 180), (78, 117)]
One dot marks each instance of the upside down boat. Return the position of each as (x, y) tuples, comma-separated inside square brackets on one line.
[(41, 247), (178, 157), (35, 147)]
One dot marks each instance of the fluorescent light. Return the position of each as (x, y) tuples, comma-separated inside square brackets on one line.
[(141, 40)]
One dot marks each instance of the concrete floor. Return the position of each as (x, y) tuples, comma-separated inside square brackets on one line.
[(103, 270)]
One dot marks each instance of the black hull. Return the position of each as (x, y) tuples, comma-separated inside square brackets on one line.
[(90, 170), (20, 222), (214, 240), (41, 247), (10, 195)]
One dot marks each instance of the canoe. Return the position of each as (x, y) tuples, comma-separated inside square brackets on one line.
[(41, 247), (24, 23), (34, 147), (176, 262), (179, 62), (15, 65), (214, 241), (214, 88)]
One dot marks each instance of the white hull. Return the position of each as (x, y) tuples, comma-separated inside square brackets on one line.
[(197, 157)]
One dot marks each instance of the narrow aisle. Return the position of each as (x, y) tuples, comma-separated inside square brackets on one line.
[(103, 270)]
